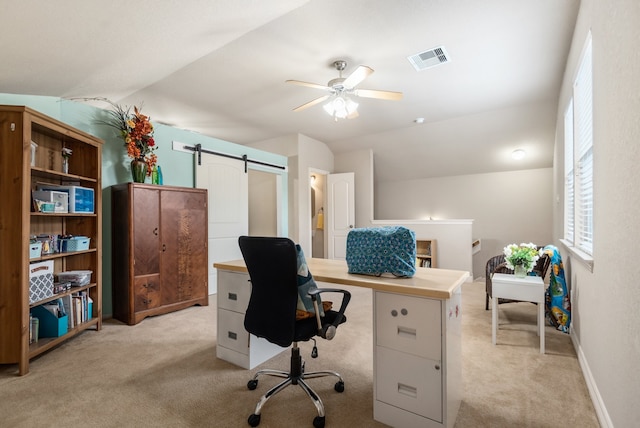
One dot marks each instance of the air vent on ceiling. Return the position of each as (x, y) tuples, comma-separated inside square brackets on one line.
[(430, 58)]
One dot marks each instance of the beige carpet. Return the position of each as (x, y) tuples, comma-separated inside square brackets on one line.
[(164, 373)]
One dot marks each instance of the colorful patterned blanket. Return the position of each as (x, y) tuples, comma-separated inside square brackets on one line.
[(557, 302)]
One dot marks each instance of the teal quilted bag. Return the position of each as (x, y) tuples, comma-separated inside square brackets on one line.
[(380, 250)]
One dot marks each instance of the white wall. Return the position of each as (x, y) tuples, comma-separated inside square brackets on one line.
[(506, 207), (454, 237), (606, 318)]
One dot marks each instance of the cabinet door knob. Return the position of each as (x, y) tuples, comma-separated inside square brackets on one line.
[(403, 311), (394, 313), (437, 366)]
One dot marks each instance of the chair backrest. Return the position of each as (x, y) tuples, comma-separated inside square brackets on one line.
[(490, 268), (272, 266), (542, 265)]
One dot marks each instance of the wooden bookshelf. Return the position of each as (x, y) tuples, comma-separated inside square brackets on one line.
[(20, 173), (426, 253)]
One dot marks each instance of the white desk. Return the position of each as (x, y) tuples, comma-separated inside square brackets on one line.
[(527, 289), (417, 379)]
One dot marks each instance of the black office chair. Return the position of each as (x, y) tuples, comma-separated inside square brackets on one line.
[(273, 267)]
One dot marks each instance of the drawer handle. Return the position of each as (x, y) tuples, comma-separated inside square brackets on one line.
[(407, 332), (233, 296), (407, 390), (232, 335)]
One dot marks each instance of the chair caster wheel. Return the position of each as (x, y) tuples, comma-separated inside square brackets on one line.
[(254, 420), (318, 422), (339, 386), (253, 384)]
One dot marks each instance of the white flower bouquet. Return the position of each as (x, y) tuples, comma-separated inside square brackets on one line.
[(525, 255)]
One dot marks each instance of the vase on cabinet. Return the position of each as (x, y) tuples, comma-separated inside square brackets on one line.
[(138, 170)]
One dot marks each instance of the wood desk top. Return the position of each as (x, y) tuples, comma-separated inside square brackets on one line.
[(427, 282)]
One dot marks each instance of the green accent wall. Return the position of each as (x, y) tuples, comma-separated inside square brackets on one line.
[(178, 168)]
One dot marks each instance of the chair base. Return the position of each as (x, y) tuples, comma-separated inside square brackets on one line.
[(296, 376)]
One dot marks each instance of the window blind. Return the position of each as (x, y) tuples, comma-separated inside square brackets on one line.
[(583, 191), (569, 201)]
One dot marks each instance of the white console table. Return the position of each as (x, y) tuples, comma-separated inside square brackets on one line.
[(527, 289), (417, 380)]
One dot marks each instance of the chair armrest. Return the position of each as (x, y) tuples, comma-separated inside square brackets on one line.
[(346, 297)]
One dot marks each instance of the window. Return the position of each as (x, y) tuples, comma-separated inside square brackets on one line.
[(578, 165)]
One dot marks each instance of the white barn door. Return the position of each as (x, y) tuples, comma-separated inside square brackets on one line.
[(227, 183)]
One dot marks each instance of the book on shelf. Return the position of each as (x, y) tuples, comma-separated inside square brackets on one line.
[(68, 309), (81, 307)]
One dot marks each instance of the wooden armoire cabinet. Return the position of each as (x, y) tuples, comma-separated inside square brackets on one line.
[(159, 245)]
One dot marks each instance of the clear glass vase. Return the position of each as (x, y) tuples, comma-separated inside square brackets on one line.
[(520, 271)]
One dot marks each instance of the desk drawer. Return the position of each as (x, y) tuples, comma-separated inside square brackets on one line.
[(410, 324), (234, 290), (409, 382), (231, 332)]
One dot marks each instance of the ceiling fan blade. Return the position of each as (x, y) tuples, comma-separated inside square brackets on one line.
[(310, 85), (383, 95), (358, 75), (311, 103)]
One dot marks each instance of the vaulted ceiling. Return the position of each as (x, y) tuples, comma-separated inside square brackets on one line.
[(218, 67)]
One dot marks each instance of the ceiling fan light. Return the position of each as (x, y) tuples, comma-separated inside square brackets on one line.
[(351, 106), (341, 107)]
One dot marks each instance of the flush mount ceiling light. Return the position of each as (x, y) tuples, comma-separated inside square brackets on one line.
[(518, 154)]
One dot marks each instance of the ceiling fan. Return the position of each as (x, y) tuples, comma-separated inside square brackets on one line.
[(340, 88)]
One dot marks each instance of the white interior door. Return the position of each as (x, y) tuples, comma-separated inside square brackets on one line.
[(340, 212), (227, 184)]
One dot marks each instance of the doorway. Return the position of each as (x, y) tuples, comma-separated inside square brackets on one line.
[(263, 203), (318, 184)]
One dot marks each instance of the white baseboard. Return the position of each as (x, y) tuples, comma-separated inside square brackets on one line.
[(598, 404)]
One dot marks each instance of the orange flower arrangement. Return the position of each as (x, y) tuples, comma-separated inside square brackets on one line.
[(137, 132)]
